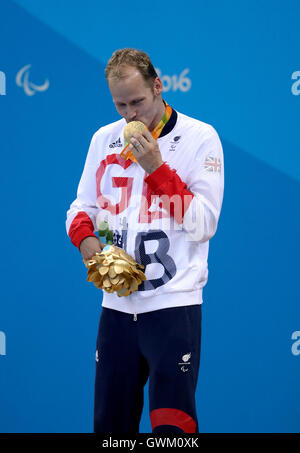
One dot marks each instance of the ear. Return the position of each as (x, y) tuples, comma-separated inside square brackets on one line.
[(157, 86)]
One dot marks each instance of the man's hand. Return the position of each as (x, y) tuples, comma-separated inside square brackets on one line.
[(89, 246), (146, 151)]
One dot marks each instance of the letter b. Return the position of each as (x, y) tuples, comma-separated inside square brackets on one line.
[(159, 256)]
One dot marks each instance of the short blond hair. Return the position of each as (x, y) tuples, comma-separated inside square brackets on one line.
[(130, 57)]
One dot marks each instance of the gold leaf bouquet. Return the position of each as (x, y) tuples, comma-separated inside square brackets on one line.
[(115, 270)]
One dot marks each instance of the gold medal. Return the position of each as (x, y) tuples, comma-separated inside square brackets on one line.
[(131, 127)]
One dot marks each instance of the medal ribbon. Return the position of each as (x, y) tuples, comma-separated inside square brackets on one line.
[(127, 154)]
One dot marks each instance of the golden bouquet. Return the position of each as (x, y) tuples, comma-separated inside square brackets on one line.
[(115, 270)]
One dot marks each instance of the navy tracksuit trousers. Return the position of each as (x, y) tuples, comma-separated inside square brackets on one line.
[(162, 345)]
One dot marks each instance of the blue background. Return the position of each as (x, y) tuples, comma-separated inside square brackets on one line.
[(240, 58)]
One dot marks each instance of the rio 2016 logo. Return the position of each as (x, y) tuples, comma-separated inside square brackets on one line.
[(296, 85), (175, 82), (2, 343), (2, 84)]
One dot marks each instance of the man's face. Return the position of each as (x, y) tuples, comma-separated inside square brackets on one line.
[(134, 98)]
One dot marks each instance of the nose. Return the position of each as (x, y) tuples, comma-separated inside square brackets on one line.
[(131, 113)]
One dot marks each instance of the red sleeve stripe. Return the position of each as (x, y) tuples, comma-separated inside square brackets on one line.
[(81, 227), (164, 181), (176, 417)]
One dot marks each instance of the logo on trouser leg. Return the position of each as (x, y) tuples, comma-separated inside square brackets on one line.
[(185, 359), (97, 356), (175, 417)]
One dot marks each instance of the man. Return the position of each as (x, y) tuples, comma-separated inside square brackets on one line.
[(162, 195)]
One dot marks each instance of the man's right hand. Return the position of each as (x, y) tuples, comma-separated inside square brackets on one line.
[(89, 246)]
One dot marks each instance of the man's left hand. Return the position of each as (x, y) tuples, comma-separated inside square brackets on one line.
[(146, 151)]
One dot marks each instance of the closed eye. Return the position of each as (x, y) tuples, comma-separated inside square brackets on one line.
[(136, 101)]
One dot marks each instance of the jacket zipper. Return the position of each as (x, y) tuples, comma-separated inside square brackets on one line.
[(135, 317)]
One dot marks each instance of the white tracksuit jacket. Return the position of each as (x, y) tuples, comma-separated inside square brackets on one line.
[(173, 248)]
